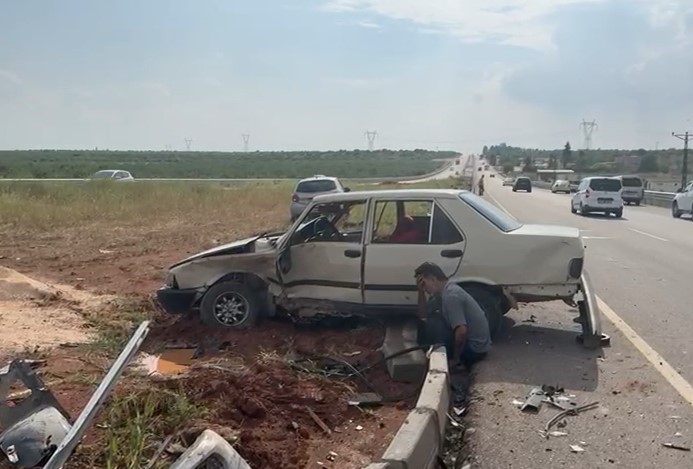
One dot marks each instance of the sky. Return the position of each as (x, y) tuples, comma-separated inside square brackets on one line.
[(317, 74)]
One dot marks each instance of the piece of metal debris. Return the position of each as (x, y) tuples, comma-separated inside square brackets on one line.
[(352, 354), (675, 446), (210, 450), (577, 449), (331, 456), (533, 401), (459, 410), (359, 428), (517, 402), (557, 433), (318, 421), (572, 412), (366, 398)]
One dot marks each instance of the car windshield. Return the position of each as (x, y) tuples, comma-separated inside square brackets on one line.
[(103, 174), (631, 182), (317, 185), (605, 185), (489, 211)]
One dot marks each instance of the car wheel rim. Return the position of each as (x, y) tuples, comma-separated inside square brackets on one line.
[(231, 309)]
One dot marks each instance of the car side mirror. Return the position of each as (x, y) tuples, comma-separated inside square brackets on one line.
[(347, 189)]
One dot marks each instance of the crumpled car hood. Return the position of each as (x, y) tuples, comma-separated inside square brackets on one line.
[(234, 247)]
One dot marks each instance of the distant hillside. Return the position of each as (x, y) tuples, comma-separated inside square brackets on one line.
[(150, 164)]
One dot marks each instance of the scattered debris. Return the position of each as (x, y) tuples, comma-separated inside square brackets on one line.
[(532, 318), (517, 403), (366, 398), (210, 450), (557, 433), (331, 456), (675, 446), (352, 354), (577, 449), (554, 403), (572, 412), (105, 251), (459, 410), (318, 421), (533, 401), (359, 428), (678, 434)]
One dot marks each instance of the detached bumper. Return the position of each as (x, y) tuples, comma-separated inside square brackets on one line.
[(177, 301), (589, 310)]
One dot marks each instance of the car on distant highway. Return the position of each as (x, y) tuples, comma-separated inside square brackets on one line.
[(112, 175), (492, 175), (574, 185), (307, 189), (598, 194), (633, 189), (508, 181), (522, 184), (355, 253), (560, 185), (683, 201)]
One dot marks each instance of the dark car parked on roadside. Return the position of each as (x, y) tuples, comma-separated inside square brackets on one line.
[(522, 184)]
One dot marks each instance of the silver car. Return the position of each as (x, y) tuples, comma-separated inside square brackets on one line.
[(308, 188), (113, 175)]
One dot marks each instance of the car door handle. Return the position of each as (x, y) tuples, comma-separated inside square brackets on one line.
[(451, 253), (353, 253)]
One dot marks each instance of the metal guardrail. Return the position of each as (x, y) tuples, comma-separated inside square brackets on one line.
[(654, 198)]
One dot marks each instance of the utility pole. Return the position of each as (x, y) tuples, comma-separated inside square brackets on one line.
[(588, 129), (246, 142), (188, 142), (684, 168), (370, 135)]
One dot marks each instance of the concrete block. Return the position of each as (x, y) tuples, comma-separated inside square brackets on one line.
[(435, 396), (438, 361), (417, 443), (411, 366)]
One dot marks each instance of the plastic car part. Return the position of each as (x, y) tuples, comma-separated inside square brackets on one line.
[(589, 312), (36, 425), (70, 441), (210, 451)]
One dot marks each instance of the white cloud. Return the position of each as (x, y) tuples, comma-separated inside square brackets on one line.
[(368, 25), (11, 77), (523, 23)]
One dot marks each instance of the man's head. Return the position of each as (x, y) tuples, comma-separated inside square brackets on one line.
[(431, 277)]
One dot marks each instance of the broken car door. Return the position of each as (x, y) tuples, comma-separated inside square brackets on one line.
[(322, 257), (404, 234)]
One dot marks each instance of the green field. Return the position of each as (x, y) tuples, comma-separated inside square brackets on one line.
[(151, 164)]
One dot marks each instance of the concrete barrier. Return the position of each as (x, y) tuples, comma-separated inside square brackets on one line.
[(419, 441)]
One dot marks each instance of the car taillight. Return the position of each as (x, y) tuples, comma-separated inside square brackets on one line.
[(587, 193), (295, 198)]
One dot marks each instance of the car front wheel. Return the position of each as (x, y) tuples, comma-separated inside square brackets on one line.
[(230, 305), (675, 212), (618, 213)]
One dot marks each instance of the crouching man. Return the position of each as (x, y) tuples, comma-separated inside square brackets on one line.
[(452, 317)]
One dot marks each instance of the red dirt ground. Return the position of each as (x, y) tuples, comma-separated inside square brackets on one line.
[(262, 403)]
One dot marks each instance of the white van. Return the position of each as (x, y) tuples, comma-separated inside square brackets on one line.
[(633, 189), (598, 194)]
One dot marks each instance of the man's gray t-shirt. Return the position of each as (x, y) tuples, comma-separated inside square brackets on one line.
[(460, 309)]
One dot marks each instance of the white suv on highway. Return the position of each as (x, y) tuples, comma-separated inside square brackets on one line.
[(598, 194), (308, 188), (683, 201)]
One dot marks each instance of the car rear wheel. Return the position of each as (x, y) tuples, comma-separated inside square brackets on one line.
[(675, 212), (618, 213), (491, 304), (572, 208), (637, 203), (230, 305)]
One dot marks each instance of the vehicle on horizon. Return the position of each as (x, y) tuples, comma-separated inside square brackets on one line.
[(354, 254), (560, 185), (112, 175), (598, 194), (522, 183), (308, 188), (508, 181), (683, 201), (633, 189)]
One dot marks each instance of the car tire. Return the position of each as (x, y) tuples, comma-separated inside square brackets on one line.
[(230, 305), (514, 190), (491, 304), (619, 213), (529, 190), (675, 212), (572, 208), (582, 210), (637, 203)]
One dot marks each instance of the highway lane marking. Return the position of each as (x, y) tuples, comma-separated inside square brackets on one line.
[(667, 371), (682, 386), (649, 235)]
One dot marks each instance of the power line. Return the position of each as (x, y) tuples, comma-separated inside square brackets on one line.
[(188, 142), (588, 128), (371, 135), (684, 168), (246, 142)]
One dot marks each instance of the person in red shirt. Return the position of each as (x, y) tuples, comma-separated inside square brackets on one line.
[(406, 231)]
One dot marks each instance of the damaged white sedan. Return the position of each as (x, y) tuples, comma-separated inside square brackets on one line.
[(355, 253)]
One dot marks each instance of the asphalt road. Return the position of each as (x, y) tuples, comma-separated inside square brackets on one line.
[(638, 265)]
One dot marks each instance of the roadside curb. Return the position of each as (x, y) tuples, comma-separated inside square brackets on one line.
[(419, 440)]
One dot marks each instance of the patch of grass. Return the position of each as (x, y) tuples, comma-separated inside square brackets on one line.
[(137, 422), (115, 325)]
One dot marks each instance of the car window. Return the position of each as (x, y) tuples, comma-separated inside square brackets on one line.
[(316, 185), (490, 212), (402, 221), (605, 185), (631, 182), (102, 174), (332, 222)]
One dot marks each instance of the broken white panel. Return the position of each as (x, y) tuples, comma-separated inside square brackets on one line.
[(210, 450)]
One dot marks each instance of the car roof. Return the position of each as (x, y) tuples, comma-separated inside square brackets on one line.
[(319, 177), (600, 177), (390, 194)]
